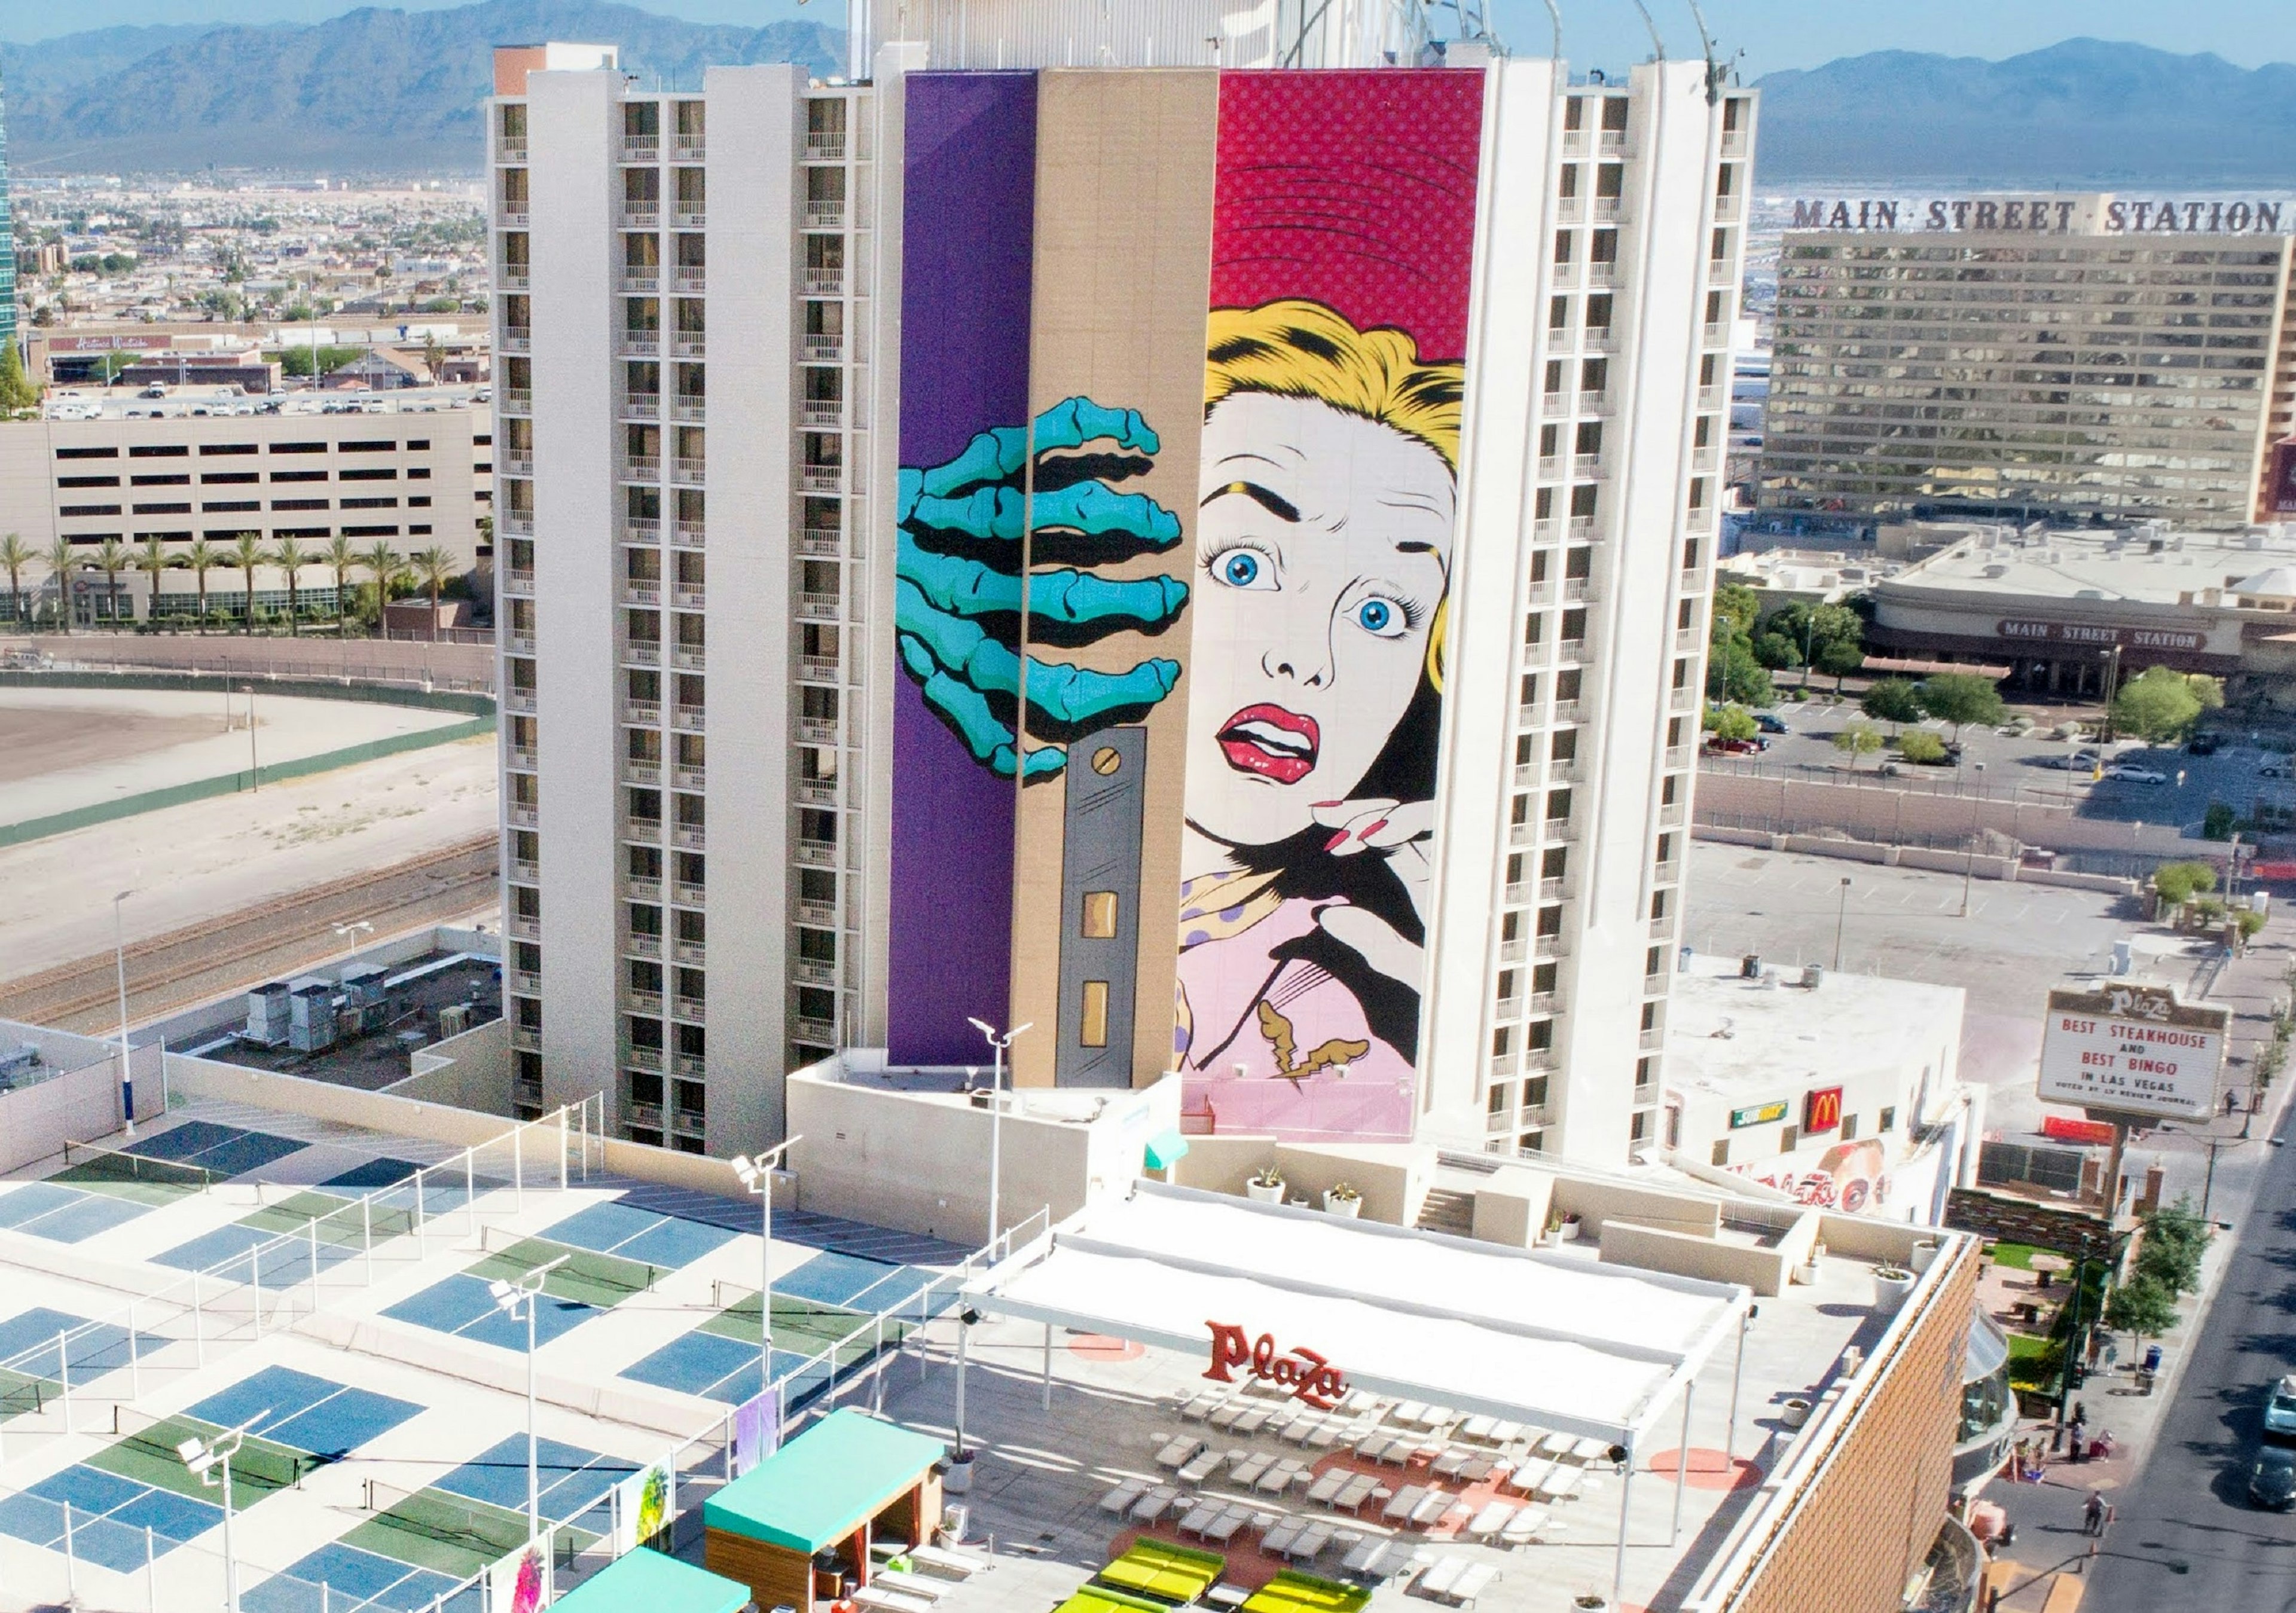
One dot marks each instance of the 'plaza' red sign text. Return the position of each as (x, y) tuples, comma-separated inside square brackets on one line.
[(1312, 1380)]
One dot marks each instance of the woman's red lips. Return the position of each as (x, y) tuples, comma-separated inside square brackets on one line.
[(1272, 742)]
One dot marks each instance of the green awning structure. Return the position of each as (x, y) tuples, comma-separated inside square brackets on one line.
[(658, 1584), (1165, 1149), (823, 1485)]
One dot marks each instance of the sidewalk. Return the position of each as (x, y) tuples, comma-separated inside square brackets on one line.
[(2046, 1516)]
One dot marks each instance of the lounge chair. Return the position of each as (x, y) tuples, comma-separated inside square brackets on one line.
[(1118, 1500), (1441, 1576), (1309, 1544), (909, 1585), (1470, 1585), (881, 1600), (947, 1563), (1524, 1527), (1202, 1467), (1489, 1521), (1328, 1485), (1399, 1505)]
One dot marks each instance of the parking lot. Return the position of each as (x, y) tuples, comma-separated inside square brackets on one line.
[(2003, 766)]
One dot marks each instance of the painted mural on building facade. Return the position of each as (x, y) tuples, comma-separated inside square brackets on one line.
[(1173, 658)]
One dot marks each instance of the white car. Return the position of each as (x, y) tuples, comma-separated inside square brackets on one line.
[(2130, 774)]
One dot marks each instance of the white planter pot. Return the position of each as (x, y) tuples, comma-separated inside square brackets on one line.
[(1795, 1412), (1924, 1253), (1349, 1209), (1891, 1292), (1258, 1194), (1570, 1232), (1805, 1274), (958, 1479)]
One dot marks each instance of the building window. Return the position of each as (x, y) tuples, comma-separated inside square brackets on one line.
[(1092, 1030), (1721, 1151), (1099, 918), (1889, 1120)]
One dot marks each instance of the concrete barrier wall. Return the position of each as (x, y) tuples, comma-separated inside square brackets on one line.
[(1223, 1164), (1865, 1240), (1512, 1206), (1887, 815), (79, 1106), (1657, 1249), (382, 1112), (1392, 1179), (1599, 1203), (362, 659), (468, 1071)]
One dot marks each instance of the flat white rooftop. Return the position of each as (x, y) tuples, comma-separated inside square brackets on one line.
[(2132, 567), (1757, 1038)]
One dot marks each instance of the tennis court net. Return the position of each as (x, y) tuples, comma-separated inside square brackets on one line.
[(259, 1463), (94, 1162), (583, 1274), (489, 1531)]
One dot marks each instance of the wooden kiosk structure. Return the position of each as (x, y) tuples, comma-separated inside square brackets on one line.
[(797, 1528)]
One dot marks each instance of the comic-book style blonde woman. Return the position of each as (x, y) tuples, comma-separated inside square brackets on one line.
[(1330, 469)]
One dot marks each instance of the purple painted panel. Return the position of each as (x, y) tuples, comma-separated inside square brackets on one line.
[(969, 202)]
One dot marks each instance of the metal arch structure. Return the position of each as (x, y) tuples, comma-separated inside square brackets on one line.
[(1328, 33)]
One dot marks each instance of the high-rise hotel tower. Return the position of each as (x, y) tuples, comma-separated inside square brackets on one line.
[(1184, 527)]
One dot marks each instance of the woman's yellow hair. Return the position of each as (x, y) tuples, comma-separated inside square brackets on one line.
[(1297, 349)]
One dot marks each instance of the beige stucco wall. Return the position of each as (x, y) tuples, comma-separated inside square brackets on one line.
[(468, 1071)]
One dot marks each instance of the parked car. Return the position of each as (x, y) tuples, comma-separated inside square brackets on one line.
[(2130, 774), (2275, 767), (1734, 747), (2280, 1409), (1767, 724), (2272, 1480), (2065, 763), (2202, 744)]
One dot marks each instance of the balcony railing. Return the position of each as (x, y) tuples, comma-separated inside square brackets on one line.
[(824, 215), (517, 338), (686, 406), (642, 653), (686, 534), (686, 717), (689, 1009), (826, 543), (641, 593), (641, 216), (640, 344), (820, 478), (690, 344), (640, 147), (641, 467), (517, 400), (824, 283), (824, 147), (641, 280), (689, 277), (687, 658), (688, 473), (816, 854), (817, 606), (824, 349), (524, 816)]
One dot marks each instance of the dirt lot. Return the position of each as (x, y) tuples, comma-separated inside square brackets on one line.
[(34, 741)]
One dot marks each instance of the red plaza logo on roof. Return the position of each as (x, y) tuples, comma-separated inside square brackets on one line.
[(1312, 1380)]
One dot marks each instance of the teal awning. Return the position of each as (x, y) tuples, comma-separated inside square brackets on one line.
[(1165, 1150), (658, 1584), (821, 1486)]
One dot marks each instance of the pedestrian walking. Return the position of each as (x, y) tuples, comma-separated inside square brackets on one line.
[(2077, 1436), (2093, 1513)]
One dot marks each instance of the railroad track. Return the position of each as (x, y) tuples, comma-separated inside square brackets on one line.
[(183, 967)]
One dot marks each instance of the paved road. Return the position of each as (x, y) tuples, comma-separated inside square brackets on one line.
[(2185, 1537)]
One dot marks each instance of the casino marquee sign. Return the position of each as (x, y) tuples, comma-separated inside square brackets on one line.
[(2048, 215)]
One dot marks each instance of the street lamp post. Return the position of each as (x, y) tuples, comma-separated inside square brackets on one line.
[(119, 964), (1976, 827), (757, 1174), (1840, 919), (997, 1045), (210, 1461), (515, 1299)]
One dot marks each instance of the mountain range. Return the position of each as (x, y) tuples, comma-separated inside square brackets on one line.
[(381, 91), (375, 91)]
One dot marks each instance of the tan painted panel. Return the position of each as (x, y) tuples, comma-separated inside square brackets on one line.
[(1123, 263)]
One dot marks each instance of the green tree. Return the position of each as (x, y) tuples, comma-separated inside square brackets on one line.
[(201, 558), (1922, 747), (1731, 722), (14, 556), (292, 557), (432, 566), (2161, 705), (1735, 609), (340, 558), (246, 554), (19, 396), (2175, 1241), (387, 567), (1892, 701), (1855, 739), (297, 361), (2178, 883), (2217, 821), (1775, 651), (2142, 1308), (112, 557), (1733, 674), (1962, 698), (1838, 660), (61, 561), (152, 560)]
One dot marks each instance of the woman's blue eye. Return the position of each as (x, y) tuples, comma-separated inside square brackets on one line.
[(1239, 569), (1381, 618)]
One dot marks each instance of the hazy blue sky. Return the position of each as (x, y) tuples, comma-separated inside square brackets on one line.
[(1774, 33)]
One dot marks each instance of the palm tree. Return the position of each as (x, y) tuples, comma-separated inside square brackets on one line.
[(246, 554), (62, 562), (112, 557), (152, 560), (14, 556), (342, 557), (201, 558), (292, 557), (432, 567), (386, 566)]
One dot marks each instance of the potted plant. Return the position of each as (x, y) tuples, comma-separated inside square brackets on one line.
[(1340, 1199), (1924, 1252), (958, 1478), (1892, 1285), (1805, 1274), (1569, 1230), (1794, 1413), (1266, 1186), (1552, 1237)]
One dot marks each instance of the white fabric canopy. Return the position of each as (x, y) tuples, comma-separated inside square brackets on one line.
[(1557, 1340)]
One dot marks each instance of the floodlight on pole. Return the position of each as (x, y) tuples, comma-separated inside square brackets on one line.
[(517, 1300), (119, 963), (757, 1174), (208, 1461), (997, 1043)]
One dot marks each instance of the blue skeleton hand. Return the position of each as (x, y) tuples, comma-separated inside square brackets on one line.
[(959, 582)]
